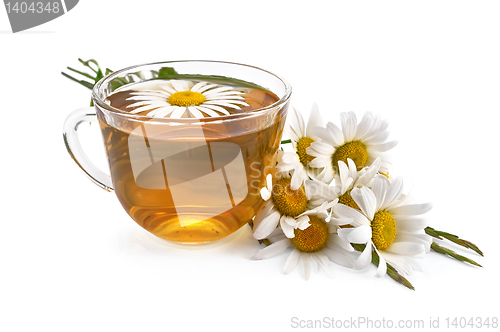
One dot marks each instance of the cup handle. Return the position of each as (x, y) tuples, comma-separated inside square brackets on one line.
[(75, 150)]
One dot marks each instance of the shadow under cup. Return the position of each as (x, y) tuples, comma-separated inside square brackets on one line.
[(191, 180)]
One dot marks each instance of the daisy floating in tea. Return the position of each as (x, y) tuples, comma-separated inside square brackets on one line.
[(182, 98)]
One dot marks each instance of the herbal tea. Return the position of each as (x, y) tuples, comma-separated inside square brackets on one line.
[(195, 181)]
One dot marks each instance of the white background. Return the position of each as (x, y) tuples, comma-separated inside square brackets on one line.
[(72, 260)]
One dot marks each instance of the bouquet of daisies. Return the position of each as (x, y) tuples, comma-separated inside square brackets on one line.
[(332, 198)]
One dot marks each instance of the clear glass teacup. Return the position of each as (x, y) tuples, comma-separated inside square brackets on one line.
[(189, 143)]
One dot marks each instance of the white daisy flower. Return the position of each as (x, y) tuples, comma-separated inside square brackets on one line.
[(363, 143), (388, 224), (314, 246), (188, 99), (347, 178), (282, 206), (297, 161)]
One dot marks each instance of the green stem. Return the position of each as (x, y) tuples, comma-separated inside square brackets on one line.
[(287, 141), (82, 73), (445, 251), (453, 238), (84, 83), (391, 271)]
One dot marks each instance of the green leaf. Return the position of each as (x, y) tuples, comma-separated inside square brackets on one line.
[(167, 72)]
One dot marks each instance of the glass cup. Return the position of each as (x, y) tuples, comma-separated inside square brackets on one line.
[(186, 180)]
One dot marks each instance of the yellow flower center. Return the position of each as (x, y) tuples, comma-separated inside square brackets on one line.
[(186, 98), (346, 199), (302, 145), (383, 230), (313, 238), (355, 150), (287, 201)]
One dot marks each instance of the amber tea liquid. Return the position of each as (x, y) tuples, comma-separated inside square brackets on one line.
[(150, 198)]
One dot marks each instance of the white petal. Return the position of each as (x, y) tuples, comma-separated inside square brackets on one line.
[(287, 228), (178, 113), (265, 194), (289, 220), (298, 177), (223, 103), (144, 108), (145, 99), (335, 242), (346, 185), (303, 222), (341, 221), (346, 212), (377, 139), (267, 225), (335, 134), (169, 88), (294, 128), (195, 112), (208, 111), (414, 209), (223, 100), (393, 192), (364, 125), (365, 198), (162, 111), (365, 258), (353, 173), (148, 93), (384, 147), (305, 259), (324, 262), (410, 223), (368, 173), (180, 85), (263, 212), (290, 157), (320, 162), (197, 86), (382, 265), (315, 120), (379, 188), (292, 261), (349, 124), (361, 234), (272, 250), (339, 257), (343, 172), (217, 90), (420, 238), (216, 108), (269, 182), (406, 248), (206, 87), (320, 149)]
